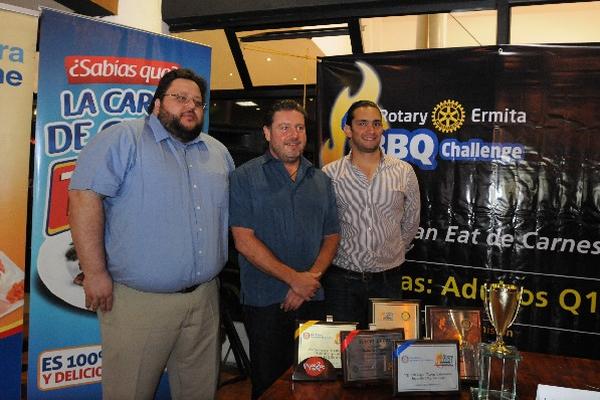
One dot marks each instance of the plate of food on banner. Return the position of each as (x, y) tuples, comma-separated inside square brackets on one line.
[(12, 285), (59, 270)]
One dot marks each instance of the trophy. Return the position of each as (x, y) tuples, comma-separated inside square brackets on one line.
[(502, 302), (499, 362)]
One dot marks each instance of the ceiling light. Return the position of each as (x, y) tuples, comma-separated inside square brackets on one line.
[(246, 103)]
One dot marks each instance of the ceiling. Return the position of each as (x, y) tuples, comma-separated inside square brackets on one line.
[(265, 45), (260, 44), (274, 59)]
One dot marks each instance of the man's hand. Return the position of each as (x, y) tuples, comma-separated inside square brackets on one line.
[(292, 301), (98, 288), (306, 284)]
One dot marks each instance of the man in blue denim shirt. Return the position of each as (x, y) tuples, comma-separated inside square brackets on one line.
[(284, 222), (149, 217)]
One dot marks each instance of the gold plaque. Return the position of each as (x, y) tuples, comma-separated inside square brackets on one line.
[(392, 314)]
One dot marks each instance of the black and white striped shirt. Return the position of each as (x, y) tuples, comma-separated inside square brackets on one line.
[(378, 218)]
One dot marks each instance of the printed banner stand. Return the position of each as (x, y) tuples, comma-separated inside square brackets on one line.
[(18, 33), (92, 74)]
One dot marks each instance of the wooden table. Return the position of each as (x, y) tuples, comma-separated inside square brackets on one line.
[(534, 369)]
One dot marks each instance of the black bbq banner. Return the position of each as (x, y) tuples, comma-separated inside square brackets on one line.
[(505, 141)]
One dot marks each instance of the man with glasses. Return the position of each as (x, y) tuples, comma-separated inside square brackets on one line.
[(285, 227), (378, 207), (149, 217)]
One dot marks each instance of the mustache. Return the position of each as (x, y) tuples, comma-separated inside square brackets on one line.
[(188, 113), (172, 123)]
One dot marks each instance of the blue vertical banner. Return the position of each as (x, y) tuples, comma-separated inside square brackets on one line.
[(92, 74)]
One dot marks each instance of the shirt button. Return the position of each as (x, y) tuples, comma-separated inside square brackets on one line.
[(200, 229), (198, 207), (199, 251), (190, 165), (197, 273), (369, 228), (195, 186)]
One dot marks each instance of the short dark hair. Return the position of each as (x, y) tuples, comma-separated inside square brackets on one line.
[(358, 104), (284, 105), (169, 77)]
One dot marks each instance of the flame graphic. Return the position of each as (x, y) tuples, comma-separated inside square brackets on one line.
[(370, 89)]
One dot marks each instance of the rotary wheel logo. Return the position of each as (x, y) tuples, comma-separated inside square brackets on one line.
[(466, 324), (448, 116)]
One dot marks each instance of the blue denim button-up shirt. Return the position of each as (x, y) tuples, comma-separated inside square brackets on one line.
[(289, 217)]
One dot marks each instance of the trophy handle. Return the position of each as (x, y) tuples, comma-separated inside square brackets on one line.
[(486, 295), (518, 305)]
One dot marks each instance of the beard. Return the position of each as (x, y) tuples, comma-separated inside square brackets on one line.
[(287, 156), (173, 125)]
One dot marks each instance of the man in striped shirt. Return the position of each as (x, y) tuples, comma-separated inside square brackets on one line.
[(378, 206)]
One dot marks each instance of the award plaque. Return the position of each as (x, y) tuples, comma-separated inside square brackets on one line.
[(463, 325), (426, 367), (367, 356), (318, 339), (394, 314)]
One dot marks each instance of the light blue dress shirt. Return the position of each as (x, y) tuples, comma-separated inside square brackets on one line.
[(166, 204)]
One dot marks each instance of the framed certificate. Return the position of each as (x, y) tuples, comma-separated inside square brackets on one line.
[(393, 314), (318, 340), (367, 356), (463, 325), (426, 366)]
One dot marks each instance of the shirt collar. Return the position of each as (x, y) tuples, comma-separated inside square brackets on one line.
[(268, 157), (383, 161), (160, 133)]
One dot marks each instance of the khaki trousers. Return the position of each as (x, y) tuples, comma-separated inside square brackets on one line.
[(146, 332)]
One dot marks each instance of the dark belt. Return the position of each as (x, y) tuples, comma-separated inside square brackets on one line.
[(189, 289), (363, 276)]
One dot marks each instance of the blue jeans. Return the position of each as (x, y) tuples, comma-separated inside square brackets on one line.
[(271, 338), (347, 293)]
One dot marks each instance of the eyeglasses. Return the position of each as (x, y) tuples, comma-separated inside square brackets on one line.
[(184, 98)]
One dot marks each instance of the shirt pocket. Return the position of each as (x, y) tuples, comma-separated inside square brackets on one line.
[(218, 186)]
